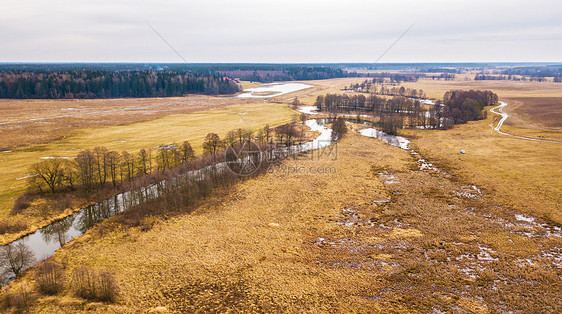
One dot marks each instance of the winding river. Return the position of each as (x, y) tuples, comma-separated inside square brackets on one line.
[(45, 241)]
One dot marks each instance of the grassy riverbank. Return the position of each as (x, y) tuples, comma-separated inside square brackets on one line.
[(175, 128), (377, 235)]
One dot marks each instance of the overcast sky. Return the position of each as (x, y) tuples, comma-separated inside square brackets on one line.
[(280, 31)]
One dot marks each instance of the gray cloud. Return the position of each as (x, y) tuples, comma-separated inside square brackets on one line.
[(279, 31)]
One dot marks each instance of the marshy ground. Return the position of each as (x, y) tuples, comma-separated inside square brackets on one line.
[(478, 233), (377, 235)]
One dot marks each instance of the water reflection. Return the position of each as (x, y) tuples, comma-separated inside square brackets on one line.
[(45, 241), (57, 231)]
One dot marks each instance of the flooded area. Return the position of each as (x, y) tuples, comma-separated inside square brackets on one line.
[(393, 140), (272, 90)]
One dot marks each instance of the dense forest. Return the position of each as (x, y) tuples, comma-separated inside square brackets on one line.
[(110, 84), (465, 106), (398, 112), (265, 73), (287, 74)]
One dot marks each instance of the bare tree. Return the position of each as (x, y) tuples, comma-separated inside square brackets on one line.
[(113, 160), (295, 103), (288, 131), (144, 161), (212, 144), (128, 165), (339, 128), (100, 154), (230, 137), (85, 165), (50, 172), (243, 134), (168, 157), (16, 257), (187, 153)]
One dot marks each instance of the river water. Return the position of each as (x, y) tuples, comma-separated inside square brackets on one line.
[(45, 241)]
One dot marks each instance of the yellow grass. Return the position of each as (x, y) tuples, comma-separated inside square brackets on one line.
[(283, 242), (44, 120), (278, 243), (523, 174), (149, 134)]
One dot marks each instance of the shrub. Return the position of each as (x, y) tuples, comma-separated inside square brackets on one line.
[(12, 227), (92, 286), (107, 291), (50, 278), (19, 297), (21, 203), (84, 283)]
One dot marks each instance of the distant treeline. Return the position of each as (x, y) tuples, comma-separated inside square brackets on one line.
[(491, 77), (536, 71), (443, 70), (393, 78), (264, 73), (457, 107), (443, 76), (287, 74), (110, 84)]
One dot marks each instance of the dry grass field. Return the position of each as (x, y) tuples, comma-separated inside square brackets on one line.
[(172, 128), (504, 89), (523, 174), (376, 236), (545, 112), (35, 121), (368, 233)]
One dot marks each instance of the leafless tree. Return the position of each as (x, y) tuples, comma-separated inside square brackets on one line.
[(113, 160), (16, 257), (230, 137), (128, 165), (50, 172), (100, 154), (212, 144), (144, 164), (187, 153), (86, 168)]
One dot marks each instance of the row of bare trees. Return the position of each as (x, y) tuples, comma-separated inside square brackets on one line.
[(378, 87), (100, 167), (457, 107)]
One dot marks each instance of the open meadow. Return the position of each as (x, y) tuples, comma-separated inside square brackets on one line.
[(376, 235), (156, 128), (368, 231)]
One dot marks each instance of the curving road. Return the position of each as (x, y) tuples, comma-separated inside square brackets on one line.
[(499, 111)]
